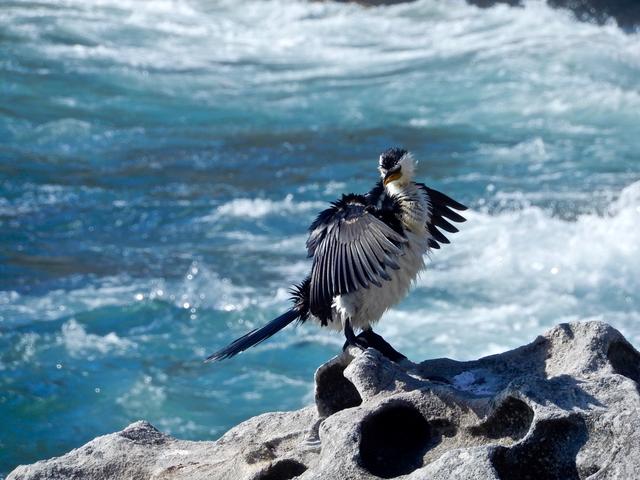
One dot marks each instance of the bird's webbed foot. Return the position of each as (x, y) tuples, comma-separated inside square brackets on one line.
[(369, 339), (373, 340)]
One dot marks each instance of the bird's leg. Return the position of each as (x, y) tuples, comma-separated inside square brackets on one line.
[(371, 339), (352, 340)]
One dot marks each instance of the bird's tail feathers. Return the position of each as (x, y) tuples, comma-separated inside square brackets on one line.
[(254, 337)]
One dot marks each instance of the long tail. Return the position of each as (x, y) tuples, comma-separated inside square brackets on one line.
[(255, 336)]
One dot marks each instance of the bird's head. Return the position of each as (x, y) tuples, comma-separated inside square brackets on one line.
[(397, 167)]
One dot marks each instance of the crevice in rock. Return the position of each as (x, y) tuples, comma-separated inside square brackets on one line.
[(282, 470), (333, 391), (625, 360), (512, 419), (588, 470), (548, 454), (395, 439)]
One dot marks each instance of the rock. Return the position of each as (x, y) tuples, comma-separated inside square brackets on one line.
[(626, 13), (566, 406), (374, 3)]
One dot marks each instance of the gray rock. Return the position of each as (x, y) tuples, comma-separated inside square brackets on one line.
[(626, 13), (566, 406)]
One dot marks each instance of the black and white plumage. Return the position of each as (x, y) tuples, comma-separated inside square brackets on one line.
[(366, 250)]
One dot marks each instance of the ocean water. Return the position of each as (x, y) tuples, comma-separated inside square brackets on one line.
[(160, 162)]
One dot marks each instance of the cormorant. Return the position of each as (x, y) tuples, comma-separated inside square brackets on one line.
[(366, 251)]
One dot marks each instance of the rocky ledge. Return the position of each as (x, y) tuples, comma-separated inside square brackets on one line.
[(566, 406)]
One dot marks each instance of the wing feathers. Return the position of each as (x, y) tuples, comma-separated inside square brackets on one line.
[(443, 224), (437, 234), (355, 279), (442, 214), (362, 278), (446, 212), (442, 199), (351, 249)]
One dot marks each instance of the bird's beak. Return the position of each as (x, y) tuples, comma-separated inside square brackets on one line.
[(392, 175)]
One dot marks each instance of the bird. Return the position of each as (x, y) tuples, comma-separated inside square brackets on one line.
[(367, 250)]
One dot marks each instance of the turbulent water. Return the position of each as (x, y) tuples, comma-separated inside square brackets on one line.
[(160, 162)]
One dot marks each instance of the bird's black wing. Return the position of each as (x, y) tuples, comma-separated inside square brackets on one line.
[(351, 249), (442, 214)]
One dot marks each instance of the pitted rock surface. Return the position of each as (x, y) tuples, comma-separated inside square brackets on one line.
[(566, 406)]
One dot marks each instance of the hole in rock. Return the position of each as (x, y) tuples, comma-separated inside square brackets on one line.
[(511, 419), (396, 438), (334, 392), (589, 470), (549, 454), (625, 360), (282, 470)]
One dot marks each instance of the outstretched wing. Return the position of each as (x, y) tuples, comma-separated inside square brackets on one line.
[(351, 249), (442, 213)]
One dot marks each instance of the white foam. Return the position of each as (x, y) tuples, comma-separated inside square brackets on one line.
[(199, 288), (204, 288), (143, 395), (80, 343), (504, 44), (63, 303), (508, 276), (259, 207), (34, 197)]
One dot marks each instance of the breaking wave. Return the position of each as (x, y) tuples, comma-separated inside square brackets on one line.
[(511, 275), (257, 208)]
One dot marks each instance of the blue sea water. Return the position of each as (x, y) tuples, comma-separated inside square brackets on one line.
[(160, 162)]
